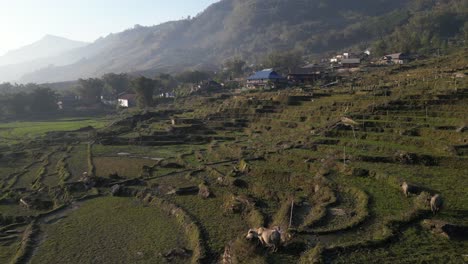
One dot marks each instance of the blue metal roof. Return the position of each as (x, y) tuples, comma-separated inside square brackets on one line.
[(265, 75)]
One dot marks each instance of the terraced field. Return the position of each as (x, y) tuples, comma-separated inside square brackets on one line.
[(185, 181), (121, 229)]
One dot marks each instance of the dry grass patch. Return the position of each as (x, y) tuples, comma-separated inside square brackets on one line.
[(124, 167)]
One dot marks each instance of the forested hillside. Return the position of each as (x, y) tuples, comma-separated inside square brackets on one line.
[(250, 29)]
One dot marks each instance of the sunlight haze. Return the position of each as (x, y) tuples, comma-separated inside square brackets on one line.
[(23, 22)]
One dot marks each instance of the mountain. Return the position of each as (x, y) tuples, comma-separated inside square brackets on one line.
[(36, 56), (251, 29), (48, 46)]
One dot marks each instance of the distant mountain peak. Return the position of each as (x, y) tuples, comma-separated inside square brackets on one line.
[(50, 37), (49, 45), (46, 36), (46, 51)]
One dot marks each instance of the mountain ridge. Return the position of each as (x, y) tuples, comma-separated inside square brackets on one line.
[(223, 30), (249, 29)]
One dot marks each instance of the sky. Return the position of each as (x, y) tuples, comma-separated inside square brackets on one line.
[(23, 22)]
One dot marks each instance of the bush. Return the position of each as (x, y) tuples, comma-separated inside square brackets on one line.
[(313, 256), (244, 251), (323, 198), (282, 216), (62, 169)]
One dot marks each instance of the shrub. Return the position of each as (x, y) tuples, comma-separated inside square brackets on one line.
[(62, 169), (282, 216), (91, 167), (323, 198), (313, 256)]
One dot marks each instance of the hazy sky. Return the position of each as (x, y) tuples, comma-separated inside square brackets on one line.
[(24, 21)]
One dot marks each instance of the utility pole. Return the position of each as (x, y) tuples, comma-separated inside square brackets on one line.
[(344, 156), (291, 215)]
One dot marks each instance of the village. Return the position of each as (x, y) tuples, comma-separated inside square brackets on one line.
[(340, 66), (330, 72)]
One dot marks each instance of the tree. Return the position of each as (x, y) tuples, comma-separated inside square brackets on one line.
[(116, 83), (465, 31), (144, 89), (417, 5), (90, 90), (284, 61), (193, 76), (6, 88), (166, 82), (235, 67), (379, 48), (17, 104), (43, 100)]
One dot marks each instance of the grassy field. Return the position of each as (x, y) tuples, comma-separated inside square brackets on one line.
[(7, 251), (414, 246), (220, 228), (22, 130), (124, 167), (163, 152), (77, 163), (25, 180), (110, 230)]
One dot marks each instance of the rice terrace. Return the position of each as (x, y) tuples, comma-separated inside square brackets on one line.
[(364, 163)]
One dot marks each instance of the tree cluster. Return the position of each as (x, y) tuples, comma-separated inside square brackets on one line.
[(113, 85), (144, 89), (284, 62), (39, 100)]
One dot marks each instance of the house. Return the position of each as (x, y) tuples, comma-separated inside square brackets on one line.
[(349, 55), (340, 57), (337, 58), (127, 100), (307, 74), (350, 63), (267, 77), (168, 95), (396, 58)]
